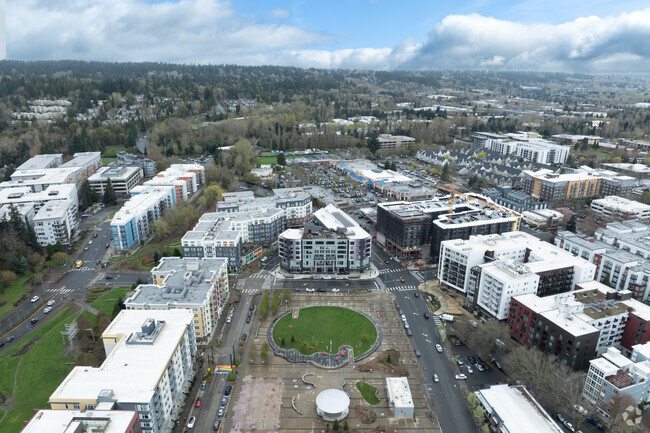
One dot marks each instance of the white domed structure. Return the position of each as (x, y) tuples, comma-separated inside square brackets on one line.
[(332, 404)]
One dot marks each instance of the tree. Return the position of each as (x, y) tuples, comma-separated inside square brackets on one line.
[(571, 224), (446, 170), (373, 144), (264, 354), (19, 265), (282, 160), (177, 252), (346, 427), (293, 339), (335, 426), (109, 194), (87, 194)]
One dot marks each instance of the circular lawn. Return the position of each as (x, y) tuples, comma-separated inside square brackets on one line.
[(314, 328)]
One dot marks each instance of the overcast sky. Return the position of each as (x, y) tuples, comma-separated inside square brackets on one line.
[(546, 35)]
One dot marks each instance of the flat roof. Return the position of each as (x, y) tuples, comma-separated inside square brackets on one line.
[(114, 172), (67, 421), (40, 161), (399, 390), (335, 219), (82, 159), (621, 204), (140, 203), (332, 401), (518, 410), (131, 371), (53, 209)]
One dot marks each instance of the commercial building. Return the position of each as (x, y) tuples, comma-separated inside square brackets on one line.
[(584, 182), (543, 218), (147, 165), (295, 204), (394, 142), (620, 208), (414, 230), (264, 172), (148, 368), (613, 376), (41, 171), (369, 174), (196, 284), (55, 222), (186, 179), (333, 244), (511, 199), (123, 180), (512, 409), (77, 421), (637, 171), (132, 224), (399, 397), (572, 140)]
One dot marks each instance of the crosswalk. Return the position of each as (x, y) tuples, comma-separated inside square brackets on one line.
[(390, 271), (418, 276), (83, 269), (437, 320), (401, 288), (249, 291), (256, 277), (62, 291)]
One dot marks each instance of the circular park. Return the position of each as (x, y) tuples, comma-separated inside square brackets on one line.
[(324, 329)]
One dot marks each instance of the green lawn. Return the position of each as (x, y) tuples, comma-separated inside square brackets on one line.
[(40, 372), (269, 160), (112, 151), (13, 293), (316, 326), (107, 302), (368, 392), (106, 161)]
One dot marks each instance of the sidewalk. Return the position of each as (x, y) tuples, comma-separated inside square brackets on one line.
[(448, 304), (370, 274)]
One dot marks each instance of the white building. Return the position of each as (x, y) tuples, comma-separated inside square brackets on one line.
[(615, 207), (25, 194), (524, 145), (499, 282), (512, 409), (399, 397), (123, 180), (132, 224), (55, 222), (394, 142), (264, 172), (295, 204), (38, 162), (148, 368), (543, 218), (67, 421), (186, 179), (196, 284)]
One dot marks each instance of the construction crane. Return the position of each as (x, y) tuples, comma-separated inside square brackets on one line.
[(451, 198)]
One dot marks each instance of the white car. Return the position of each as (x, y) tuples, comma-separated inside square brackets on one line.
[(190, 423), (310, 290), (580, 409), (439, 348), (47, 310), (435, 378), (461, 376), (469, 369), (327, 277), (35, 299), (51, 302), (335, 290)]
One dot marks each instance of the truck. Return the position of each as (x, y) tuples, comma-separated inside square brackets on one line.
[(447, 317)]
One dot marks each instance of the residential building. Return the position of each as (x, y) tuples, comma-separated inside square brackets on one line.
[(511, 199), (123, 180), (295, 203), (68, 421), (86, 163), (333, 244), (543, 218), (147, 165), (512, 409), (524, 145), (55, 222), (637, 171), (394, 142), (614, 207), (639, 145), (211, 237), (413, 231), (469, 266), (186, 179), (148, 368), (25, 194), (399, 397), (584, 182), (264, 172), (38, 162), (25, 210), (196, 284), (612, 376), (484, 139), (132, 224)]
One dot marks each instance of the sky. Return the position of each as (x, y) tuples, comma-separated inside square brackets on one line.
[(593, 36)]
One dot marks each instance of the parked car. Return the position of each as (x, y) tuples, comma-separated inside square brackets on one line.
[(248, 319), (243, 336), (460, 362), (227, 390), (569, 426), (217, 423), (461, 376), (198, 402), (580, 409), (560, 417), (224, 400), (34, 320), (469, 369), (190, 423), (596, 422), (35, 299), (496, 363), (203, 384), (439, 348), (221, 411), (409, 332)]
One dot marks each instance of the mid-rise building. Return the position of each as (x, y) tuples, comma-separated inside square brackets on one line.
[(123, 180), (637, 171), (86, 421), (133, 223), (613, 375), (186, 179), (512, 409), (147, 165), (295, 203), (415, 230), (55, 222), (511, 199), (26, 195), (211, 237), (584, 182), (334, 244), (620, 208), (528, 265), (148, 369), (572, 140), (543, 218), (38, 162), (524, 145), (196, 284), (394, 142), (369, 174), (264, 172)]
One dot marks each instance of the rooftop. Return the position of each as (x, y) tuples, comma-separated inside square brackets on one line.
[(37, 162), (334, 219), (636, 168), (54, 209), (400, 391), (140, 203), (114, 172), (69, 421)]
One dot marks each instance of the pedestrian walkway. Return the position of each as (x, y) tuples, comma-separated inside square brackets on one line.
[(437, 320), (249, 291), (82, 269), (401, 288), (390, 271), (418, 276), (62, 291), (256, 277)]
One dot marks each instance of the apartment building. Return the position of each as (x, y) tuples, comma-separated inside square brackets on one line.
[(524, 145), (513, 200), (415, 230), (186, 179), (196, 284), (67, 421), (123, 180), (333, 244), (55, 222), (543, 218), (584, 182), (148, 369), (132, 224), (394, 142), (212, 237), (614, 207), (147, 165), (637, 171), (295, 203), (613, 375), (463, 264)]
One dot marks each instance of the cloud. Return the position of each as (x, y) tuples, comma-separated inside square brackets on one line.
[(589, 44), (214, 31)]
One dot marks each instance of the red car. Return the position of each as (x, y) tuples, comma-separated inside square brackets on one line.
[(198, 402)]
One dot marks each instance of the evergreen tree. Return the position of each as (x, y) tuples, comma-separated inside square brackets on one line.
[(282, 160), (19, 265), (373, 144), (335, 426), (88, 195), (571, 224), (109, 194)]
